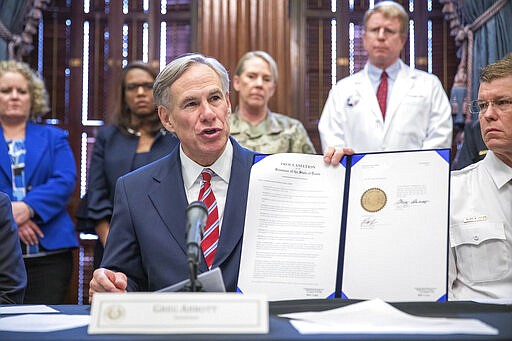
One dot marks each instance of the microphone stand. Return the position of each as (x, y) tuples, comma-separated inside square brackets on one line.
[(197, 213), (194, 285)]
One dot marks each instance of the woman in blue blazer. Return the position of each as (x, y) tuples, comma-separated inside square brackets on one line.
[(37, 171)]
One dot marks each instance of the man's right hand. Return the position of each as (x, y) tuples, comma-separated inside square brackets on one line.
[(334, 155), (104, 280)]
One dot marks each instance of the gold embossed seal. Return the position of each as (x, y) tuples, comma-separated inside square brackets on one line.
[(373, 199), (115, 312)]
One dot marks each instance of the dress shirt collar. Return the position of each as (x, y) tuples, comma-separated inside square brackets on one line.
[(192, 170), (498, 170), (374, 72)]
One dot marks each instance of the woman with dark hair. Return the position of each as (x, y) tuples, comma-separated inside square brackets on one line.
[(133, 138)]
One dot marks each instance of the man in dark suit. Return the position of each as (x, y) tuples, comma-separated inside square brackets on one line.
[(13, 277), (146, 247)]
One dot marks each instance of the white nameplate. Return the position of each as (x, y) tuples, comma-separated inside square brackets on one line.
[(178, 313)]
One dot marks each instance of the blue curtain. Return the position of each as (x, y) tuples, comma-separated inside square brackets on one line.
[(492, 41), (12, 16)]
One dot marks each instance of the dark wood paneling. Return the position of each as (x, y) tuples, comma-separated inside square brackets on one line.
[(295, 32), (228, 29)]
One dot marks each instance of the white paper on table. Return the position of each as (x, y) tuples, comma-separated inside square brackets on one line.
[(42, 323), (211, 281), (398, 253), (292, 227), (377, 316), (502, 301), (27, 309)]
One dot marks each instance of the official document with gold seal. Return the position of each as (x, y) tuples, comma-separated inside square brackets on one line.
[(396, 232), (376, 226), (292, 227)]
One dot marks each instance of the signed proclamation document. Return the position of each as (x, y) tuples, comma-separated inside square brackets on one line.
[(396, 242), (376, 226), (292, 227)]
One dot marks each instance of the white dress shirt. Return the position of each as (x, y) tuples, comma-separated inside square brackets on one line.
[(481, 231), (374, 74), (192, 177)]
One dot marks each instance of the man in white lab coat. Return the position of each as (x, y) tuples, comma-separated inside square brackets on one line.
[(404, 109)]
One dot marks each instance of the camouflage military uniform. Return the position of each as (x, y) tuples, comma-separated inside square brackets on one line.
[(277, 133)]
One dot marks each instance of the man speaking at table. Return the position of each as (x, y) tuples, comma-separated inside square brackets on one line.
[(146, 247)]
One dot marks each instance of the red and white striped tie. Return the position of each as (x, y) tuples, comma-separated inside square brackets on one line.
[(211, 231)]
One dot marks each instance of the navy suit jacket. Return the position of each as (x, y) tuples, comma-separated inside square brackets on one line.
[(147, 238), (50, 175), (112, 157), (13, 277)]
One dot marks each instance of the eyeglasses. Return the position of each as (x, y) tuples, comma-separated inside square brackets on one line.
[(135, 86), (480, 107), (385, 31)]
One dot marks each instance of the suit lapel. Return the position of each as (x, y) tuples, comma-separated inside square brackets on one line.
[(5, 159), (125, 164), (35, 145), (368, 98), (404, 82), (169, 198), (170, 201)]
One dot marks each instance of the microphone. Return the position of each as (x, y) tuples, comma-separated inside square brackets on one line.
[(197, 213)]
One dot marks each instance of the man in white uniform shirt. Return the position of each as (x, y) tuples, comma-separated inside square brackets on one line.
[(415, 112), (481, 198)]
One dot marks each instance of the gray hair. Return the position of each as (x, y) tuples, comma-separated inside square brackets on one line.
[(176, 68), (240, 68), (390, 9)]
